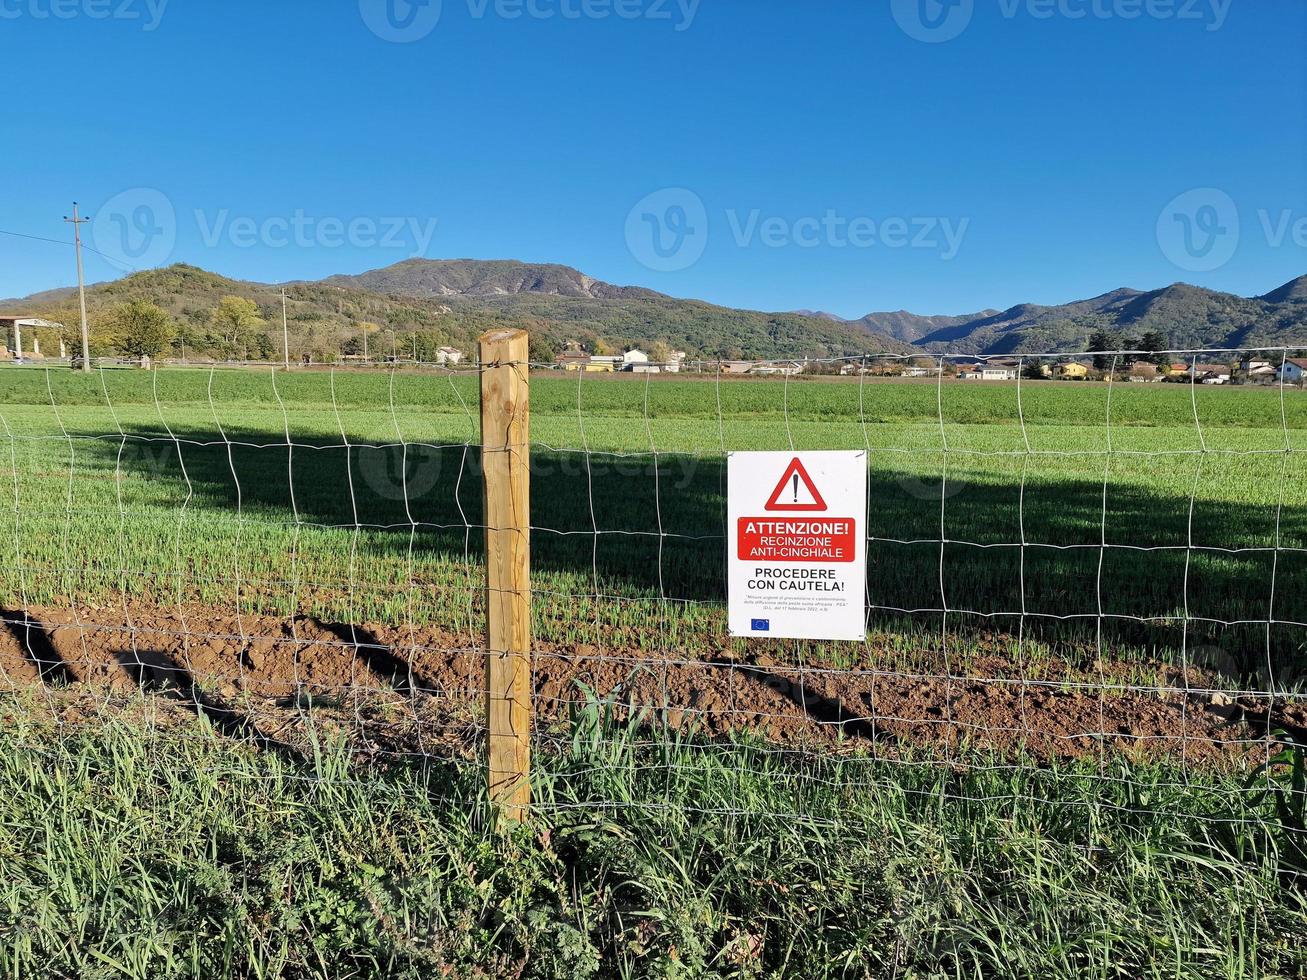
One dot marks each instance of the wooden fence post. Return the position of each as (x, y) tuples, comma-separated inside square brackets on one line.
[(505, 464)]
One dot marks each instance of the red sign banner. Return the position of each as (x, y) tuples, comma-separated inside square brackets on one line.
[(797, 539)]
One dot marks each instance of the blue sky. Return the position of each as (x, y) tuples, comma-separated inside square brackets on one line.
[(843, 155)]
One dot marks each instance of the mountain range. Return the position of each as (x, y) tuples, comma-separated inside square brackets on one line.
[(454, 300), (1190, 317)]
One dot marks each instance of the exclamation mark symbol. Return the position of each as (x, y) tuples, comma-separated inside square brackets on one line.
[(796, 488)]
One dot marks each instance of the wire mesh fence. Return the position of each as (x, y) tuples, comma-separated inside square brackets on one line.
[(1099, 581)]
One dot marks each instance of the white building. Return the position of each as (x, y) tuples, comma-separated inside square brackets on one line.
[(633, 357), (987, 372), (1257, 370), (448, 355), (1294, 371), (1211, 374), (785, 368)]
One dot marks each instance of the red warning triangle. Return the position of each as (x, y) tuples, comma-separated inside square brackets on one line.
[(789, 488)]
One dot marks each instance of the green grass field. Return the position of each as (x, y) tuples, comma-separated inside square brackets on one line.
[(1130, 525), (180, 486)]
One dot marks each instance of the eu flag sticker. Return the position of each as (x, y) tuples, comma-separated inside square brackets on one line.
[(762, 625)]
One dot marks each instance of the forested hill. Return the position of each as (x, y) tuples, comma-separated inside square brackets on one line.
[(451, 302)]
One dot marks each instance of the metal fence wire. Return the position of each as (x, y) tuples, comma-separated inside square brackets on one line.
[(1106, 578)]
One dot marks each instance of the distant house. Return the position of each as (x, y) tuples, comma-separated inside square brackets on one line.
[(605, 362), (448, 355), (736, 367), (987, 372), (1259, 370), (1294, 371), (1211, 374), (1071, 371), (786, 369), (573, 359), (633, 357), (674, 361)]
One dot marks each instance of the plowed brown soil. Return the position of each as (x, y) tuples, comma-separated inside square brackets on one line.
[(419, 690)]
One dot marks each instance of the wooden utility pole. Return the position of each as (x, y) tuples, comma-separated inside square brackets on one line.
[(77, 221), (285, 332), (505, 459)]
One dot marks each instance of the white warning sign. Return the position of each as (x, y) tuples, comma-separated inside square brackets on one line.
[(797, 537)]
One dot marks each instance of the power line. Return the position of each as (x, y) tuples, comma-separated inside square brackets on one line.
[(59, 241), (35, 238)]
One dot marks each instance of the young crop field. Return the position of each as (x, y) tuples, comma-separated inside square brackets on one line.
[(1060, 750)]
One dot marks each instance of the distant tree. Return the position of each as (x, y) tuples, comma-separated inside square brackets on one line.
[(139, 328), (540, 349), (260, 347), (69, 330), (660, 352), (236, 320), (1153, 343), (1102, 340), (598, 346), (1034, 370), (426, 345)]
